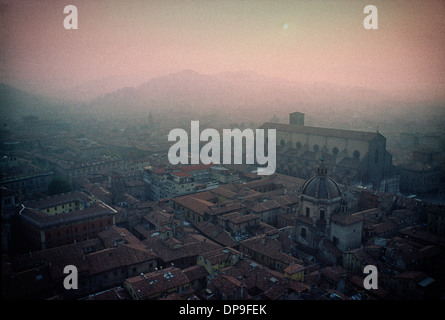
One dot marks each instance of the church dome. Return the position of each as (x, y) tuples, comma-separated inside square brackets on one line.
[(321, 186)]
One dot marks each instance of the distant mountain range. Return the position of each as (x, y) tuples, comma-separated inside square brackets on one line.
[(228, 93), (16, 103), (244, 90)]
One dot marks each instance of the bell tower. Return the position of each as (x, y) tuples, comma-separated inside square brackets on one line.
[(296, 118)]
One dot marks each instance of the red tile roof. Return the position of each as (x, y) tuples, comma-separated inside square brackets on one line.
[(42, 220), (215, 233), (294, 268), (195, 272), (196, 205), (117, 257), (158, 282), (60, 199), (181, 174)]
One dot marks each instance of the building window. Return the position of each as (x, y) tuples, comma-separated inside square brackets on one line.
[(316, 147), (356, 154), (298, 145), (335, 241), (303, 233), (335, 150), (308, 212), (322, 214), (282, 142)]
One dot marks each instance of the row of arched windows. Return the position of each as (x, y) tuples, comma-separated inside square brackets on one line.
[(335, 150)]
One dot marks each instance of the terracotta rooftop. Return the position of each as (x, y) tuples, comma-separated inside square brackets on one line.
[(188, 246), (266, 206), (333, 273), (216, 233), (196, 205), (226, 207), (195, 272), (294, 268), (269, 247), (238, 218), (43, 220), (421, 234), (159, 218), (117, 257), (268, 283), (220, 255), (117, 235), (383, 227), (223, 192), (158, 282), (364, 257), (60, 199), (206, 195)]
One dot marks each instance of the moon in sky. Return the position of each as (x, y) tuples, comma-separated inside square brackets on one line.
[(285, 26)]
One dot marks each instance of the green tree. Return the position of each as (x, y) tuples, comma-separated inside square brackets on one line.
[(59, 185)]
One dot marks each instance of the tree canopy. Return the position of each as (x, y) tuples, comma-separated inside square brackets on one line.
[(59, 185)]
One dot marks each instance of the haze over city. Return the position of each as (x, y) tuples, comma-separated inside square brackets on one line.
[(105, 162)]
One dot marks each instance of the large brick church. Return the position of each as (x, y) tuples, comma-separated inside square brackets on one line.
[(354, 157)]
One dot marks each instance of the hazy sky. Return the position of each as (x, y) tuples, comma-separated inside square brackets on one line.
[(307, 40)]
